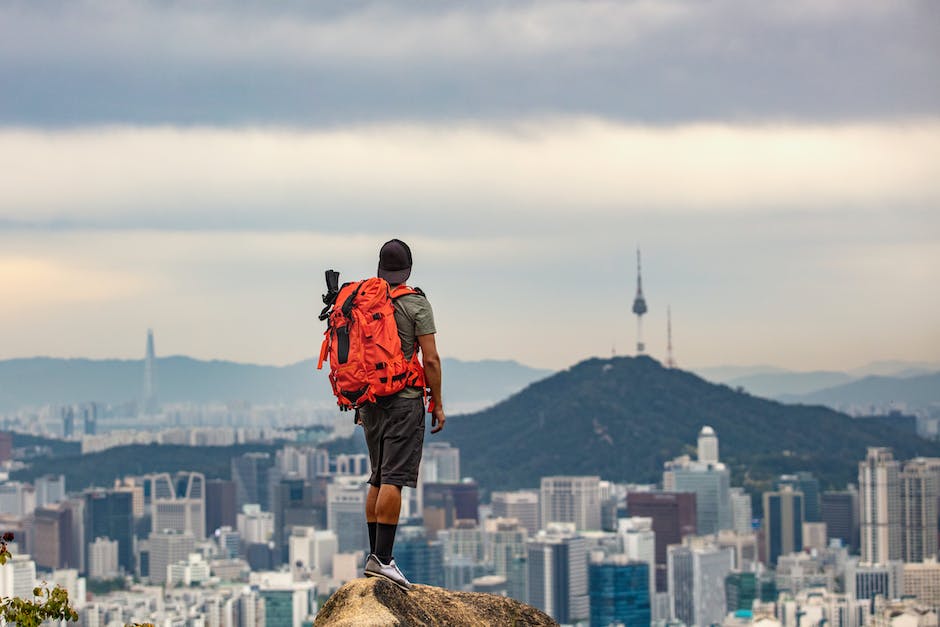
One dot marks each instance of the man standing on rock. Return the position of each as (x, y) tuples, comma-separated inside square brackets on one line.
[(394, 425)]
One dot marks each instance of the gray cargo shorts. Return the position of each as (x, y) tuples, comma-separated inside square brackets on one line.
[(394, 430)]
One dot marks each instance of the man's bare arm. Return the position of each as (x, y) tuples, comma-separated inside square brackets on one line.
[(432, 375)]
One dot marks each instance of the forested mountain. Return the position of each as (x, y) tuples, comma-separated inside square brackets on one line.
[(622, 418)]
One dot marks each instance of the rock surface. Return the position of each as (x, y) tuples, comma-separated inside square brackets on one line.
[(378, 603)]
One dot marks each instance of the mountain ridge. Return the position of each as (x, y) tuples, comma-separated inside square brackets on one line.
[(48, 380), (621, 418)]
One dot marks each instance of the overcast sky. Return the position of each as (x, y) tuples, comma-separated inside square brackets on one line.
[(194, 167)]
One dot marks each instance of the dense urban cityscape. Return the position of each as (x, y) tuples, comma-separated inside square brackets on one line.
[(270, 543)]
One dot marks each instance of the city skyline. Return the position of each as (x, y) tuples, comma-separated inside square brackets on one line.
[(784, 199)]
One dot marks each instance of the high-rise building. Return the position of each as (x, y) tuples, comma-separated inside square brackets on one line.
[(52, 527), (708, 445), (149, 404), (295, 504), (254, 475), (6, 446), (440, 463), (673, 517), (523, 505), (505, 548), (920, 490), (697, 573), (741, 511), (18, 577), (619, 591), (89, 418), (808, 485), (17, 498), (447, 503), (879, 487), (783, 523), (254, 525), (638, 543), (109, 514), (221, 506), (558, 574), (168, 547), (312, 550), (346, 506), (421, 559), (68, 421), (575, 500), (178, 502), (103, 559), (465, 540), (840, 513), (49, 489), (711, 483), (866, 580)]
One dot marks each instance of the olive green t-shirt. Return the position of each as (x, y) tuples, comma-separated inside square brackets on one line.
[(414, 317)]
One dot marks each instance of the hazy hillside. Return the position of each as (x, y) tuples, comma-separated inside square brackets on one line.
[(916, 391), (41, 380), (622, 418)]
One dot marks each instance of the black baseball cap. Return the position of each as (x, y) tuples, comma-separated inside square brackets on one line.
[(394, 262)]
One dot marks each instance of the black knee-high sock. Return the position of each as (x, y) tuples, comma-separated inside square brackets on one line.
[(385, 541), (372, 532)]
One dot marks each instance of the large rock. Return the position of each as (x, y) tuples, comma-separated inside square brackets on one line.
[(378, 603)]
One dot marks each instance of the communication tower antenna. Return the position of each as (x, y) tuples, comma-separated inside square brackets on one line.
[(639, 306)]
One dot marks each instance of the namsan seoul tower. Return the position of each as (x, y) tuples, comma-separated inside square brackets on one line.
[(639, 306)]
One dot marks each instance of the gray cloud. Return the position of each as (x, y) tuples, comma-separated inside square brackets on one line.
[(73, 63)]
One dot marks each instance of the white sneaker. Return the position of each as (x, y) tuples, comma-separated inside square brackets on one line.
[(389, 572)]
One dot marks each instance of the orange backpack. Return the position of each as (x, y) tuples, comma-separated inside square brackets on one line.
[(363, 346)]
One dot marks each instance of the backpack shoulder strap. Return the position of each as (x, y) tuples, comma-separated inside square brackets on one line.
[(403, 290)]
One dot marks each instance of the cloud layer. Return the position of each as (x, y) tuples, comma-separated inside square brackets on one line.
[(154, 62)]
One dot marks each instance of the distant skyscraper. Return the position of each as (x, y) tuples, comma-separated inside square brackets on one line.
[(178, 502), (638, 542), (68, 421), (806, 483), (708, 445), (103, 559), (49, 489), (673, 517), (571, 499), (52, 529), (783, 523), (619, 590), (840, 513), (221, 507), (168, 547), (920, 489), (523, 505), (506, 551), (346, 502), (447, 503), (90, 418), (295, 505), (639, 307), (558, 574), (6, 446), (879, 486), (110, 514), (711, 483), (254, 475), (440, 463), (741, 510), (150, 391), (697, 576)]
